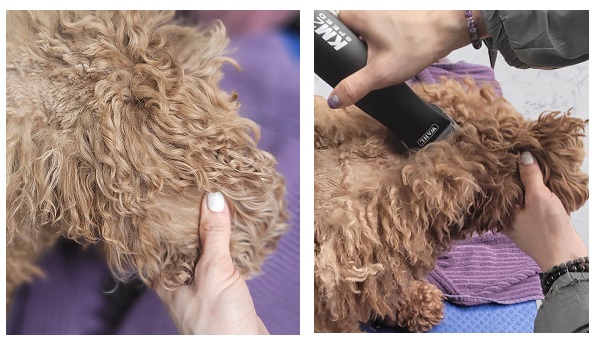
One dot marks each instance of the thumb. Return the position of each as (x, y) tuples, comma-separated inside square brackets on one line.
[(352, 89), (214, 227), (530, 174)]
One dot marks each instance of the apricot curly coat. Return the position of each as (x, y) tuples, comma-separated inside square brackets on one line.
[(382, 215), (116, 128)]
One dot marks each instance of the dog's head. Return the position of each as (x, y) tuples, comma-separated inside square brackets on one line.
[(116, 127), (492, 137)]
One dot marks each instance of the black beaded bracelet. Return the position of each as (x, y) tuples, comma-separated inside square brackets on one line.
[(574, 266), (472, 29)]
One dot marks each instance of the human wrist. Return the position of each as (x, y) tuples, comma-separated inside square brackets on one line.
[(561, 257), (566, 246), (548, 278), (453, 30), (450, 30)]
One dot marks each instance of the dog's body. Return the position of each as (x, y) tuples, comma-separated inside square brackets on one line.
[(382, 216), (116, 128)]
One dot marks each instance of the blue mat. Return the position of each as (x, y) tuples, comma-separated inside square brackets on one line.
[(488, 318), (481, 318)]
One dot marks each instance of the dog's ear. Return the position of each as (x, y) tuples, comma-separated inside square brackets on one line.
[(561, 155)]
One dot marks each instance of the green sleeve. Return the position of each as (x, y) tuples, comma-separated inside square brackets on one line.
[(566, 305), (540, 39)]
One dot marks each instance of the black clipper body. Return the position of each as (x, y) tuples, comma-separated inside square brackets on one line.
[(339, 52)]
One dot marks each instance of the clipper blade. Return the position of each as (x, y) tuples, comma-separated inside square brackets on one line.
[(448, 132)]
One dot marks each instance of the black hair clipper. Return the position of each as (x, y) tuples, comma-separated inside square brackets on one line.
[(339, 52)]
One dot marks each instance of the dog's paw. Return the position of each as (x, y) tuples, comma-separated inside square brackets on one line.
[(424, 308)]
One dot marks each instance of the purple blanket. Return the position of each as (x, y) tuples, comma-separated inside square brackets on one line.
[(71, 300), (488, 268), (458, 70)]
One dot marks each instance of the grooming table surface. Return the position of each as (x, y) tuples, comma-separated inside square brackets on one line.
[(493, 318), (488, 318)]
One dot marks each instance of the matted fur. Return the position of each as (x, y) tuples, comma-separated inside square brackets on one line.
[(116, 128), (382, 217)]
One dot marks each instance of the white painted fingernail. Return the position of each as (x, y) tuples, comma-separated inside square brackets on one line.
[(526, 158), (216, 202)]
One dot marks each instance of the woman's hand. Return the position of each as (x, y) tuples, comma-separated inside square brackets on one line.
[(400, 44), (218, 300), (542, 229)]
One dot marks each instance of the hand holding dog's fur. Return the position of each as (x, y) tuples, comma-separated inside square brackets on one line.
[(218, 300), (116, 127), (543, 229)]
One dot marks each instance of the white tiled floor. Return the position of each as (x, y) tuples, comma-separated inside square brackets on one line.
[(531, 92)]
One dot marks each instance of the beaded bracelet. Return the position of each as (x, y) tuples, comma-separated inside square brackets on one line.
[(549, 277), (472, 29)]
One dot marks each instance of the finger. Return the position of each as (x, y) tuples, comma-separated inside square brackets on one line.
[(530, 174), (352, 89), (261, 327), (354, 20), (214, 226)]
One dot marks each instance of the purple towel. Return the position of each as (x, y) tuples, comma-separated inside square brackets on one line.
[(70, 300), (487, 268), (459, 70)]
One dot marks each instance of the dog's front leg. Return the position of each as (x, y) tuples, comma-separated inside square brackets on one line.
[(422, 307)]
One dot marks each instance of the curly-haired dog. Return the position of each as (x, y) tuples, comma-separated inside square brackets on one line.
[(383, 216), (116, 127)]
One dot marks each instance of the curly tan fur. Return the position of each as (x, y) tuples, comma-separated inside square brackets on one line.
[(382, 217), (116, 127)]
